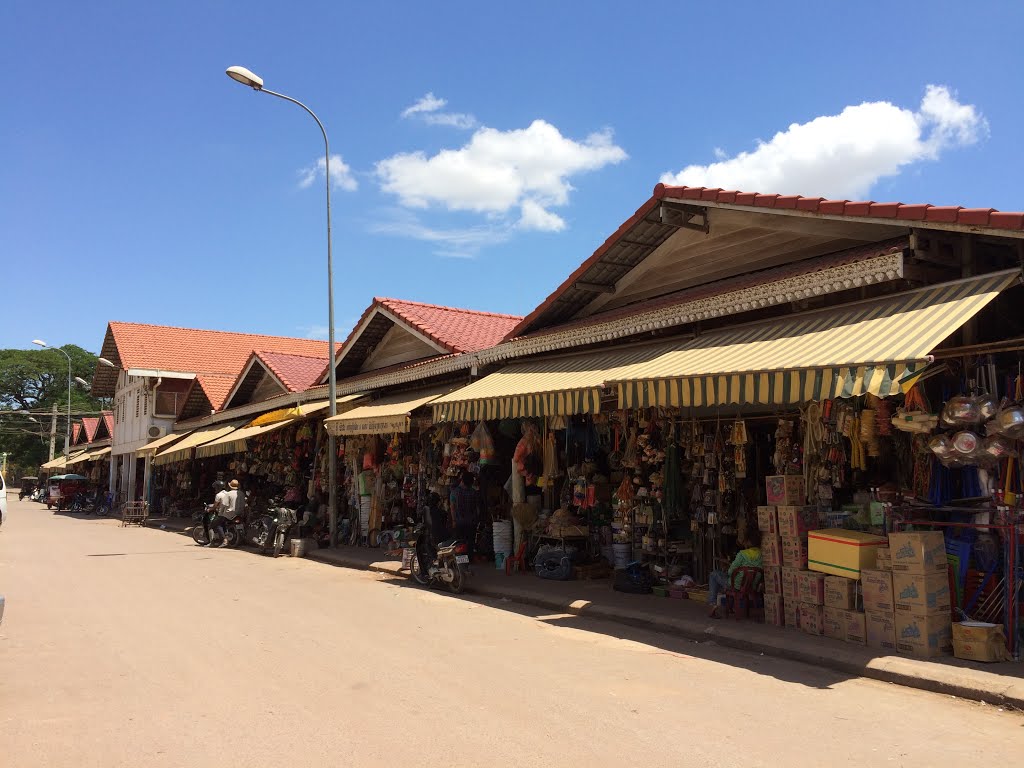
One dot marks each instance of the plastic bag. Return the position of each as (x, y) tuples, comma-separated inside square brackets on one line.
[(481, 442)]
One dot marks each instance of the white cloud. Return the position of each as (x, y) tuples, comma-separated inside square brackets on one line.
[(719, 153), (428, 107), (341, 174), (428, 103), (535, 217), (497, 172), (455, 242), (844, 155)]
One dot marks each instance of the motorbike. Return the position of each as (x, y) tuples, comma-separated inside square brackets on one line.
[(201, 533), (445, 564), (272, 529)]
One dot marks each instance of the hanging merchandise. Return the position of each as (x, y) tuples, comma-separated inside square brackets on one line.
[(482, 443)]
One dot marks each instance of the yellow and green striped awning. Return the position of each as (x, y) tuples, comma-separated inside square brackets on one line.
[(845, 351), (388, 415), (560, 386), (870, 346), (183, 450)]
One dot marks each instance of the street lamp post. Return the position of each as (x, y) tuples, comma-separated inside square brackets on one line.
[(246, 77), (67, 432)]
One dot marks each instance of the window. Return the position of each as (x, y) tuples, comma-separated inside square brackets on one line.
[(145, 403), (137, 398)]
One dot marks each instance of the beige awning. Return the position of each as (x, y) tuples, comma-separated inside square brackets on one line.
[(235, 442), (305, 409), (163, 442), (85, 456), (99, 454), (556, 386), (387, 415), (846, 351), (61, 461), (180, 451)]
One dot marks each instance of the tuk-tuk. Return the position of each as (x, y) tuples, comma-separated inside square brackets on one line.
[(64, 488), (28, 487)]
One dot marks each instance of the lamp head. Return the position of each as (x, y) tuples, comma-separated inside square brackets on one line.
[(40, 343), (104, 361), (245, 77), (82, 381)]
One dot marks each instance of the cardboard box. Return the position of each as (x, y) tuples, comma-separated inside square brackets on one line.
[(924, 634), (812, 618), (794, 553), (841, 552), (978, 641), (855, 627), (811, 587), (791, 612), (876, 587), (840, 592), (774, 612), (883, 559), (795, 522), (918, 552), (768, 520), (920, 592), (880, 630), (790, 585), (785, 489), (771, 550), (834, 623), (772, 580)]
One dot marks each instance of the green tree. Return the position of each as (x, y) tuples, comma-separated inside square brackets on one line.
[(31, 382)]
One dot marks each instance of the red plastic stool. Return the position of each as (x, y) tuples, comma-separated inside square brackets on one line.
[(519, 559)]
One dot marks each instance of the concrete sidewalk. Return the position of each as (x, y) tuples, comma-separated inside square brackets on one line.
[(993, 683)]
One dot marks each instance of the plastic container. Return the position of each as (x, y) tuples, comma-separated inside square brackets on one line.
[(298, 547)]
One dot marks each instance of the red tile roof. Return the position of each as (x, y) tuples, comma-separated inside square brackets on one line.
[(457, 330), (910, 212), (222, 353), (90, 424), (297, 372), (76, 431), (909, 215), (216, 387), (108, 422)]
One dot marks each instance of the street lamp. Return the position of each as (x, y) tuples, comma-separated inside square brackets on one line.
[(67, 433), (83, 382), (246, 77)]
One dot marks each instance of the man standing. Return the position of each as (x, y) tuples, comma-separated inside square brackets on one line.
[(223, 509), (465, 511)]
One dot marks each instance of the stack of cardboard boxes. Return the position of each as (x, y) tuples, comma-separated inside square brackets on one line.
[(921, 596), (890, 594)]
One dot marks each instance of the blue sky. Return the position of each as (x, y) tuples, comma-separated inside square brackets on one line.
[(139, 183)]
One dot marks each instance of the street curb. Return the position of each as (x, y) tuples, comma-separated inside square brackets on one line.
[(962, 682)]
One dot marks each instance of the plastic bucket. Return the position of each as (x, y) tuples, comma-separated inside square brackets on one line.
[(622, 554), (298, 547), (499, 560)]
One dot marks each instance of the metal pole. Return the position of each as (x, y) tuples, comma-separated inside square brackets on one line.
[(53, 430), (67, 432), (332, 451)]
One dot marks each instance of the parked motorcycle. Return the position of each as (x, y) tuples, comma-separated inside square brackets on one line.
[(202, 534), (446, 564), (273, 528)]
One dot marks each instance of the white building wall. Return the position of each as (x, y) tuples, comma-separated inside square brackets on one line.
[(134, 402)]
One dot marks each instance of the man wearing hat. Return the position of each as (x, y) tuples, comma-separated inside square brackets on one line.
[(224, 506)]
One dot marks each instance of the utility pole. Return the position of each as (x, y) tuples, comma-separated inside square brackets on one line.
[(53, 430)]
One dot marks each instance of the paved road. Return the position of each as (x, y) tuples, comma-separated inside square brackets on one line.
[(133, 647)]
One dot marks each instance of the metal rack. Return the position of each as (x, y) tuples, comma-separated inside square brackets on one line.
[(134, 513)]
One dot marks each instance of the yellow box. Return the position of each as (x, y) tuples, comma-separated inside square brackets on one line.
[(978, 641), (924, 634), (840, 592), (840, 552)]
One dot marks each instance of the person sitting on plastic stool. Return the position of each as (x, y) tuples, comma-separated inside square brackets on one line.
[(719, 581)]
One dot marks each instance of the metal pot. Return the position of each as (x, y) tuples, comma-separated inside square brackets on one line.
[(988, 406), (966, 444), (941, 446), (961, 410), (998, 447), (1010, 422)]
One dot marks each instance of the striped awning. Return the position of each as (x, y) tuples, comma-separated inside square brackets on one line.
[(236, 442), (385, 416), (866, 347), (557, 386), (61, 461), (85, 456), (306, 409), (182, 450), (163, 442)]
